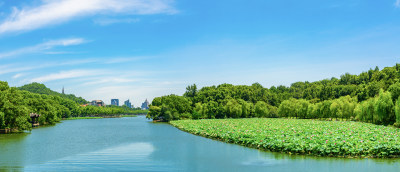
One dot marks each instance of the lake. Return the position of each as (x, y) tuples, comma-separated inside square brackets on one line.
[(136, 144)]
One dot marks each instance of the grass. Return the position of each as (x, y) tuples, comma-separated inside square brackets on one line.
[(295, 136), (128, 115)]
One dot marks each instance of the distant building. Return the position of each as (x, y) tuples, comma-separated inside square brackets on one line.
[(63, 90), (97, 103), (145, 105), (128, 103), (115, 102)]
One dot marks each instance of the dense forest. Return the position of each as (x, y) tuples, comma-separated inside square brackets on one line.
[(16, 104), (371, 96)]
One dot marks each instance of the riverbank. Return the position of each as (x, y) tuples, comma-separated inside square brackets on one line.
[(8, 131), (75, 118), (99, 117), (307, 137)]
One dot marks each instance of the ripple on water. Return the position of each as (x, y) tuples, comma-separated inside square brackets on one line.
[(262, 162), (134, 156)]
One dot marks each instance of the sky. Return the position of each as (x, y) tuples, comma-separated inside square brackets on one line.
[(141, 49)]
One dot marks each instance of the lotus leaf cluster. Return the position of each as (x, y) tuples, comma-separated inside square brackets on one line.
[(294, 136)]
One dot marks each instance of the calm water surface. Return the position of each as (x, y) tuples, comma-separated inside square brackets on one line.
[(135, 144)]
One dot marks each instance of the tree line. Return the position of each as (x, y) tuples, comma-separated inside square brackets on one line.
[(16, 105), (371, 96)]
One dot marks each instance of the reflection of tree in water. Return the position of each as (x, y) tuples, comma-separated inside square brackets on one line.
[(13, 151)]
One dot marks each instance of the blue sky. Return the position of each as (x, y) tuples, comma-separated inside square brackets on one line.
[(138, 49)]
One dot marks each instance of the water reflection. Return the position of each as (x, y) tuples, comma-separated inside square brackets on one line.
[(262, 162), (121, 157), (135, 144)]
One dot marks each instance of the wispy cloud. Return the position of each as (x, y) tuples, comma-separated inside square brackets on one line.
[(114, 80), (58, 52), (125, 59), (11, 68), (43, 46), (23, 67), (66, 75), (109, 21), (397, 3), (4, 70), (18, 75), (59, 11)]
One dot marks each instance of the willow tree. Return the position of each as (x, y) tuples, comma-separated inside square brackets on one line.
[(397, 112), (261, 109), (384, 108)]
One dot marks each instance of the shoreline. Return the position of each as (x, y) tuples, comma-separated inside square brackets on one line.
[(10, 131)]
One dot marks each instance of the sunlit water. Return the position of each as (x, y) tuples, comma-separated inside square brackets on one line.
[(135, 144)]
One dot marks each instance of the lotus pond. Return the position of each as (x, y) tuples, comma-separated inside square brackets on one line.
[(295, 136)]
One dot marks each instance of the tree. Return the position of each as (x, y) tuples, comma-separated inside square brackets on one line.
[(154, 113), (191, 91), (397, 112), (16, 116), (246, 108), (395, 91), (312, 111), (261, 109), (302, 108), (2, 121), (285, 109), (384, 108), (211, 107), (233, 109), (200, 111), (336, 109)]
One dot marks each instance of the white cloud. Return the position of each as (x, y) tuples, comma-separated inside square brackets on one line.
[(18, 75), (397, 3), (43, 46), (109, 21), (66, 75), (58, 11)]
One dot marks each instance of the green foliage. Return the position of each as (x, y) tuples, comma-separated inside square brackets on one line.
[(395, 91), (233, 109), (168, 108), (2, 121), (397, 112), (15, 114), (368, 97), (42, 89), (311, 137), (294, 108), (17, 104), (191, 91), (75, 118), (384, 108), (261, 109)]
